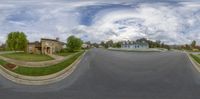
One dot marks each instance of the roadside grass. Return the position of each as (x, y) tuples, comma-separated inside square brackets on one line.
[(27, 57), (66, 53), (198, 55), (42, 71), (195, 57), (3, 63)]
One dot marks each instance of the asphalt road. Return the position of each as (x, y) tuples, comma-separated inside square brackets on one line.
[(104, 74)]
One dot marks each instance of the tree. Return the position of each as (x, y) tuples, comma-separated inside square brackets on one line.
[(193, 44), (142, 40), (102, 43), (95, 45), (88, 42), (117, 45), (16, 41), (167, 47), (109, 43), (162, 45), (187, 47), (74, 43), (158, 43)]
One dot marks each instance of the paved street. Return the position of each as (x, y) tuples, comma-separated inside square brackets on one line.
[(104, 74)]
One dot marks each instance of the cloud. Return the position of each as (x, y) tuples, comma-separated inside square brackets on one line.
[(172, 24), (44, 20), (173, 21)]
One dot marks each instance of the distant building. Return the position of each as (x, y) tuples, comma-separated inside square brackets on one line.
[(2, 47), (134, 44), (85, 46), (45, 46)]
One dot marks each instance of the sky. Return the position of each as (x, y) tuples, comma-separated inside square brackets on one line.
[(171, 21)]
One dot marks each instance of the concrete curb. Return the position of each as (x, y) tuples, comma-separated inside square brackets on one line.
[(40, 80), (194, 62)]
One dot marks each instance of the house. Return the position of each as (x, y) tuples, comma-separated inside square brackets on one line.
[(134, 44), (45, 46)]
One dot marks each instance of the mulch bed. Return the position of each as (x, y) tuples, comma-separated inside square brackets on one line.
[(10, 66)]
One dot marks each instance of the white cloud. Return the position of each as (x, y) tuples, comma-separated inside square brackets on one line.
[(51, 19), (171, 23)]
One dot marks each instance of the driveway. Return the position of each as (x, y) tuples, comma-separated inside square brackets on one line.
[(104, 74)]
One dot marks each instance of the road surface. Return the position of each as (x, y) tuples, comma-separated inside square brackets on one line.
[(104, 74)]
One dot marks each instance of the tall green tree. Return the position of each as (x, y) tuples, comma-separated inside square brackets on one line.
[(102, 43), (74, 43), (117, 44), (188, 47), (16, 41), (193, 44), (109, 43)]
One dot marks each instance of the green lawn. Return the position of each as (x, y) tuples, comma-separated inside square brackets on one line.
[(196, 57), (3, 63), (28, 57), (41, 71), (66, 53)]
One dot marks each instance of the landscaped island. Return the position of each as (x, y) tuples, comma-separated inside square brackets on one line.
[(41, 71)]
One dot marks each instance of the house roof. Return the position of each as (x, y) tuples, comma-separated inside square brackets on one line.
[(36, 43), (47, 39)]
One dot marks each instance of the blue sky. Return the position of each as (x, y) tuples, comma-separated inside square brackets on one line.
[(171, 21)]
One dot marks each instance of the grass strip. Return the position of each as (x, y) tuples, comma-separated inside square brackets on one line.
[(64, 54), (196, 58), (3, 63), (67, 53)]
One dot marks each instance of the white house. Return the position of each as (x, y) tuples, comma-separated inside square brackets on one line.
[(135, 44)]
